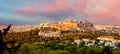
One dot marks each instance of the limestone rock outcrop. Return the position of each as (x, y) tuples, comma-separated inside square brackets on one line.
[(55, 29)]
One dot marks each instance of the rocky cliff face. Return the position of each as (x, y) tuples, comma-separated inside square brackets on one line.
[(85, 25)]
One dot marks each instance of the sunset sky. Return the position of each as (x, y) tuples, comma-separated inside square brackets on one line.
[(40, 11)]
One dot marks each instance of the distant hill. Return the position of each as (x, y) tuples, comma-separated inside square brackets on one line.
[(54, 29)]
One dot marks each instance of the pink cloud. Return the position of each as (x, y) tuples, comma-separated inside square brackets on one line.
[(56, 6), (53, 7), (27, 10), (99, 10), (80, 5)]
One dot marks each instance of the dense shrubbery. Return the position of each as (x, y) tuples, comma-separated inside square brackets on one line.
[(38, 48)]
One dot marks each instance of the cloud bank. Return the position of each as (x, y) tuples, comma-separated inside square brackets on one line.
[(98, 11)]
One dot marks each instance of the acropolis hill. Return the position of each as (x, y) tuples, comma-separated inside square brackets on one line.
[(55, 29)]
